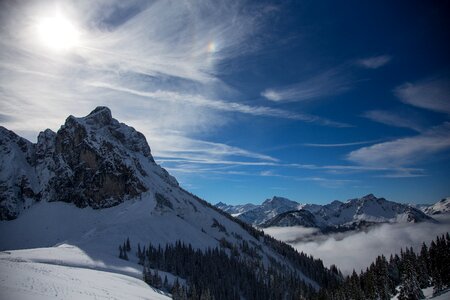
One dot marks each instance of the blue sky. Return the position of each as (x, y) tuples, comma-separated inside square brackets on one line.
[(245, 100)]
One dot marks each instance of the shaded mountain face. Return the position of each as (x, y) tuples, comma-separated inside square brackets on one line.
[(91, 161), (300, 217), (235, 210), (19, 185), (335, 216)]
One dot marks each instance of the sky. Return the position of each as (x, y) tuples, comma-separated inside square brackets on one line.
[(244, 100)]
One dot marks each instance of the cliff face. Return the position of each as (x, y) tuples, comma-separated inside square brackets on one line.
[(91, 161)]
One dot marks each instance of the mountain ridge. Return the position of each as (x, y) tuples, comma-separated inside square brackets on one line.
[(337, 215)]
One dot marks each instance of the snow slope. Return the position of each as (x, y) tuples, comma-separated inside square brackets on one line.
[(65, 273)]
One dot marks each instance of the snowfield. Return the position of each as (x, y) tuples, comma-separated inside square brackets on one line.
[(66, 272)]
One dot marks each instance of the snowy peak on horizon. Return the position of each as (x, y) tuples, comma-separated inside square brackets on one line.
[(350, 214), (440, 207), (258, 214)]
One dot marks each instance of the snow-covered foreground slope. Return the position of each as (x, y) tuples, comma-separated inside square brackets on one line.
[(65, 273)]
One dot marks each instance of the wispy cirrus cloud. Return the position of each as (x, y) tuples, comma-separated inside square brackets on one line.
[(328, 83), (432, 94), (193, 149), (328, 182), (404, 151), (374, 62), (393, 119), (172, 48), (220, 105), (340, 144)]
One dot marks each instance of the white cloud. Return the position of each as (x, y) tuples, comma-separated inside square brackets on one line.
[(404, 151), (374, 62), (432, 94), (392, 119), (328, 83), (191, 149), (289, 234), (356, 250)]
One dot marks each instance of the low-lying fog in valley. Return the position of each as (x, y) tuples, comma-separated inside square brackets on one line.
[(357, 249)]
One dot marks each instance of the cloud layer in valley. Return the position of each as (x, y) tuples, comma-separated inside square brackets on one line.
[(356, 250)]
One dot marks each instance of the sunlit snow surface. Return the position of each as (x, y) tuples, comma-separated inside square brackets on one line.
[(66, 272)]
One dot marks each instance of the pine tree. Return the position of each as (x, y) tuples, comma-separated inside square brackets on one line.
[(177, 292), (124, 254), (410, 288), (166, 286), (128, 245), (382, 278)]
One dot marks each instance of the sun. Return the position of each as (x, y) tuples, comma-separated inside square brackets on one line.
[(58, 33)]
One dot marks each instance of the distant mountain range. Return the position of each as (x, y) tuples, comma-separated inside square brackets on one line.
[(335, 216)]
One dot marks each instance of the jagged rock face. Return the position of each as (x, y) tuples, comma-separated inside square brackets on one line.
[(91, 161), (18, 182), (96, 152)]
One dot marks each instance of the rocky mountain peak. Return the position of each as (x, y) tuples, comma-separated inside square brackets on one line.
[(369, 197), (278, 201), (91, 161)]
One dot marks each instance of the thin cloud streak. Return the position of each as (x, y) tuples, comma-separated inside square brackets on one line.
[(392, 119), (340, 144), (184, 158), (374, 62), (328, 83), (404, 151), (432, 94)]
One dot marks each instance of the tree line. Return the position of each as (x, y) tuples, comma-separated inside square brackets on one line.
[(227, 272)]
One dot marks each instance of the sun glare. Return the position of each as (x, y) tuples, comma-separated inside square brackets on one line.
[(57, 33)]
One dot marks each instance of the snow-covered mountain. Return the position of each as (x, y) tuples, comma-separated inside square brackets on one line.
[(258, 214), (336, 215), (92, 161), (94, 183), (235, 210), (440, 207)]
